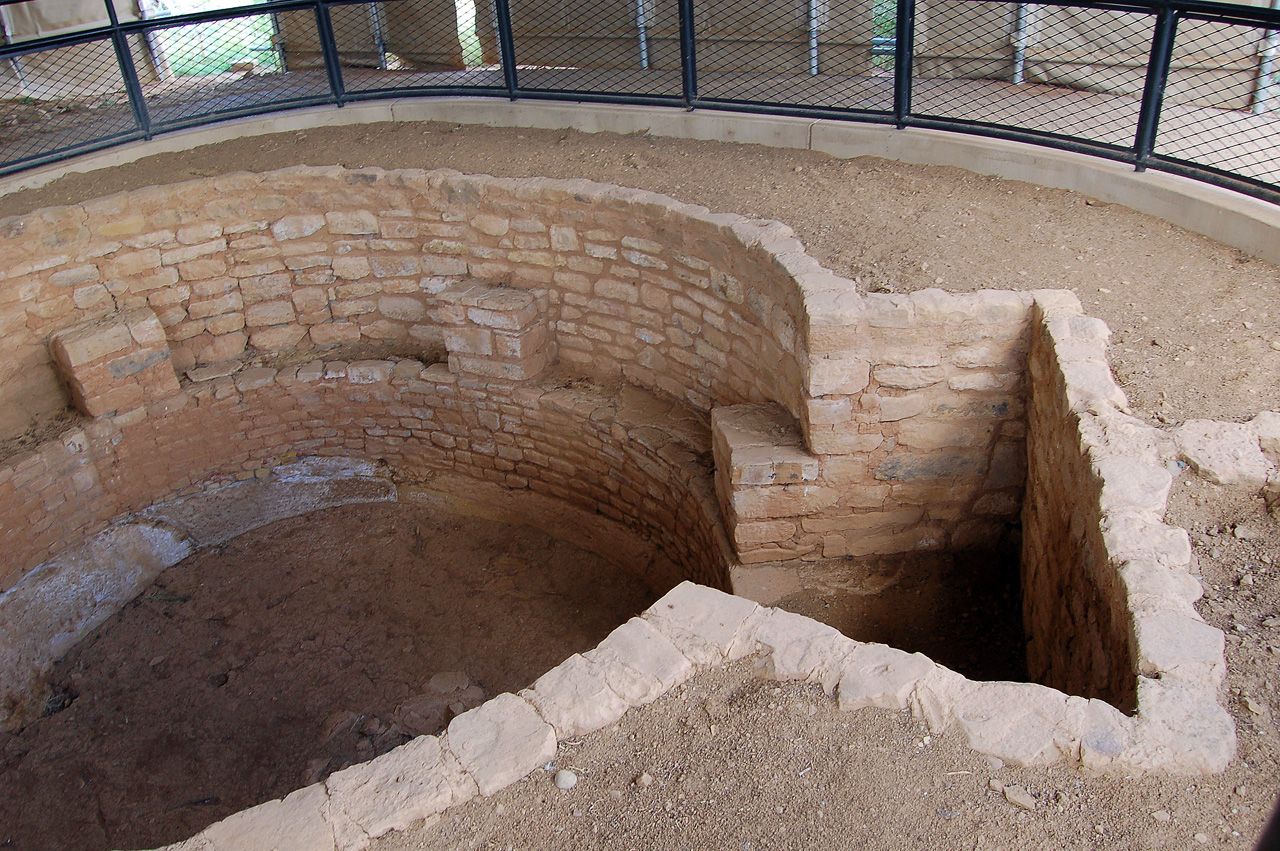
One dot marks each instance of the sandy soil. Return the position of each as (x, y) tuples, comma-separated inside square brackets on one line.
[(776, 766)]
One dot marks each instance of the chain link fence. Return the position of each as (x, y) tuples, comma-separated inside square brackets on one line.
[(1221, 106), (1189, 87)]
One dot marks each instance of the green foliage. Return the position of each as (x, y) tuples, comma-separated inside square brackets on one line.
[(472, 52), (212, 48)]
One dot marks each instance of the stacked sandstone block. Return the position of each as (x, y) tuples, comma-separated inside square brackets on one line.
[(912, 435), (117, 363), (247, 265), (632, 456), (496, 332), (1107, 590), (910, 408)]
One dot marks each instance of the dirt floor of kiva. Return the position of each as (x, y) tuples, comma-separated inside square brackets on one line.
[(255, 668), (731, 761)]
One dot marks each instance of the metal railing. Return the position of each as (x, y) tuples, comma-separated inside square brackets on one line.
[(1180, 86)]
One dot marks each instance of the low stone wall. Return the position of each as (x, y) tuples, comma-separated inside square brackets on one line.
[(911, 436), (633, 283), (636, 458), (1107, 592), (688, 631)]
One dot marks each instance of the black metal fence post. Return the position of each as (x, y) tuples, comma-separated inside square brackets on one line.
[(903, 61), (329, 50), (128, 72), (1153, 91), (507, 47), (688, 55)]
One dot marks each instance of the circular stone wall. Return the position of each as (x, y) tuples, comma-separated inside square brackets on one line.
[(693, 378)]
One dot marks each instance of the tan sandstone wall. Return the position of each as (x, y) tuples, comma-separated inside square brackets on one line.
[(908, 411), (634, 457), (637, 285), (1077, 639), (1108, 590), (912, 437)]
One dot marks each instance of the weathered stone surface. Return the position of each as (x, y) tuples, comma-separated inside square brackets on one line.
[(1226, 453), (491, 225), (296, 227), (404, 308), (763, 532), (255, 378), (757, 424), (935, 465), (87, 343), (354, 222), (803, 649), (985, 382), (1151, 587), (500, 742), (269, 313), (1090, 385), (1130, 483), (639, 663), (1180, 729), (880, 676), (883, 541), (415, 781), (369, 371), (1021, 723), (214, 517), (927, 435), (1177, 645), (575, 698), (1105, 735), (908, 378), (894, 408), (768, 465), (706, 625), (842, 441), (333, 333), (64, 599), (773, 501), (1266, 425), (844, 375), (1135, 537), (296, 823)]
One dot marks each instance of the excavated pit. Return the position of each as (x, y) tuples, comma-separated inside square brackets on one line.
[(686, 394), (265, 664)]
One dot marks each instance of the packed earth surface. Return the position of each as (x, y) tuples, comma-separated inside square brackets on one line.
[(249, 670), (729, 760)]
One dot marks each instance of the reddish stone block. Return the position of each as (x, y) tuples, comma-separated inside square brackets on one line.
[(116, 363)]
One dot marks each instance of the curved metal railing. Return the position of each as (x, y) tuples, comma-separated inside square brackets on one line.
[(1186, 87)]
